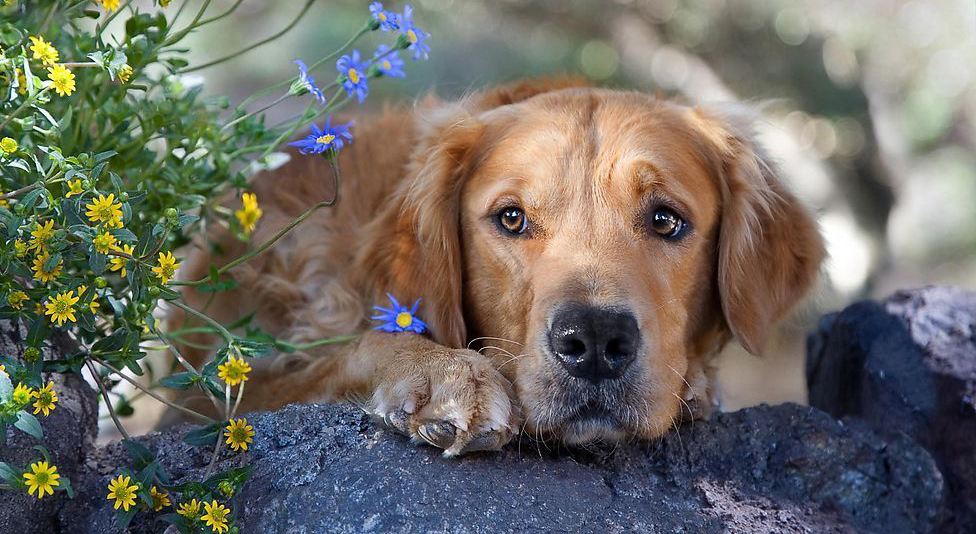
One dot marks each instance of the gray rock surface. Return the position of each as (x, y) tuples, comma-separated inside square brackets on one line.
[(908, 365), (69, 434), (327, 468)]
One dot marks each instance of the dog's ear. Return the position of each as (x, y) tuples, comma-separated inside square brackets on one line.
[(770, 250), (413, 249)]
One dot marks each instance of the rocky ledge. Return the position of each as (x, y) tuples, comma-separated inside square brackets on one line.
[(897, 378), (327, 468)]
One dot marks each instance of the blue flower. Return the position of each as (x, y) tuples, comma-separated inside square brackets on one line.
[(399, 318), (353, 75), (390, 65), (306, 82), (328, 138), (414, 35), (388, 20)]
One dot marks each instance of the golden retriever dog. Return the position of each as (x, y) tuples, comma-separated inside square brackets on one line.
[(598, 246)]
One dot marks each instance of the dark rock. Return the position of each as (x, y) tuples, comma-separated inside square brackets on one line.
[(908, 364), (69, 434), (327, 468)]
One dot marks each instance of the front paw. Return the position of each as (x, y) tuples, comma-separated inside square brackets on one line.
[(453, 399)]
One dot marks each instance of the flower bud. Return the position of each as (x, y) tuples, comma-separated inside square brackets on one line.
[(31, 354), (226, 489), (154, 291), (171, 213), (124, 196), (101, 283)]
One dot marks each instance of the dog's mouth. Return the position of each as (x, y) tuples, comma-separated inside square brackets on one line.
[(591, 423)]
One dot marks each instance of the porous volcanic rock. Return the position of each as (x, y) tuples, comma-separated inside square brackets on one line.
[(908, 365), (69, 435), (328, 468)]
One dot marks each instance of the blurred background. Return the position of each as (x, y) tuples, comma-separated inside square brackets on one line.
[(871, 111)]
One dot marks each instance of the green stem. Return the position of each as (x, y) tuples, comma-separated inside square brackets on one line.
[(22, 106), (315, 65), (222, 15), (101, 27), (105, 397), (247, 49), (253, 113), (267, 244), (193, 24), (145, 390), (228, 337), (320, 342)]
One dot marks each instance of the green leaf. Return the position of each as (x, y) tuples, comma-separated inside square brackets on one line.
[(253, 349), (66, 486), (11, 475), (179, 381), (141, 456), (102, 156), (112, 342), (97, 171), (31, 197), (97, 261), (29, 425), (205, 435)]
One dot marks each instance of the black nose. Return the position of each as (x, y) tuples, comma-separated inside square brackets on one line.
[(594, 343)]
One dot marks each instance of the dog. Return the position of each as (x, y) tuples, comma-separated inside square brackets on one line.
[(599, 247)]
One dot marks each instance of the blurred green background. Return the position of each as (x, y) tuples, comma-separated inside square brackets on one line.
[(871, 110)]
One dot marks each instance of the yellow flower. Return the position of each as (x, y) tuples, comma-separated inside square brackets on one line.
[(8, 145), (159, 499), (239, 434), (189, 510), (105, 209), (117, 263), (22, 395), (44, 51), (74, 188), (91, 305), (216, 516), (46, 398), (125, 73), (109, 5), (104, 242), (124, 494), (21, 82), (62, 309), (42, 478), (20, 248), (3, 201), (63, 79), (41, 235), (250, 213), (167, 267), (41, 274), (16, 299), (164, 3), (234, 371)]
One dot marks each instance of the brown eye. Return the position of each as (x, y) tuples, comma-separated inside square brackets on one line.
[(667, 223), (512, 220)]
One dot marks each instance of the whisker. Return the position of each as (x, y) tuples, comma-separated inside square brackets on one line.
[(473, 341), (486, 347)]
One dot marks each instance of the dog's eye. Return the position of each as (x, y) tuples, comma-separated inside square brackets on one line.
[(667, 223), (512, 220)]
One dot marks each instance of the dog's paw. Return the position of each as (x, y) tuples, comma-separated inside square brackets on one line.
[(450, 398)]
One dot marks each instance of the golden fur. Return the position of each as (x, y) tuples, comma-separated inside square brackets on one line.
[(419, 189)]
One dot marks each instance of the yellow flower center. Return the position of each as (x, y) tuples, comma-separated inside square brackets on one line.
[(353, 75), (404, 319), (386, 64), (41, 478), (326, 139), (412, 37), (105, 212), (61, 306), (382, 17), (168, 271)]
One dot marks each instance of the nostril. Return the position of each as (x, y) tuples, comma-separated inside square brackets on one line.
[(619, 348), (574, 347)]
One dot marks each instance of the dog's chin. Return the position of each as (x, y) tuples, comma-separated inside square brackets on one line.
[(591, 427)]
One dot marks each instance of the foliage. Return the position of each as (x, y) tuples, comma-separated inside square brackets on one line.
[(110, 160)]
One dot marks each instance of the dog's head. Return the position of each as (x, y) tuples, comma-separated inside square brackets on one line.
[(605, 243)]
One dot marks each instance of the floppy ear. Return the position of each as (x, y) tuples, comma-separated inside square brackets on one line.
[(413, 249), (770, 250)]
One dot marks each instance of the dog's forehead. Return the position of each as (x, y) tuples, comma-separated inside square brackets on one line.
[(610, 140)]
